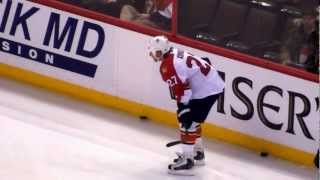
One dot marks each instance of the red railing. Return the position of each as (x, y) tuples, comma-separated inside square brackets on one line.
[(173, 36)]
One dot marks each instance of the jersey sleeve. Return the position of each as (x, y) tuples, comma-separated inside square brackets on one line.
[(183, 74)]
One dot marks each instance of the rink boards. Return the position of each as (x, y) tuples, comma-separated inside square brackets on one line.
[(262, 109)]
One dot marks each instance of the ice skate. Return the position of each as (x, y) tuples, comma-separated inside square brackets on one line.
[(183, 165), (199, 158)]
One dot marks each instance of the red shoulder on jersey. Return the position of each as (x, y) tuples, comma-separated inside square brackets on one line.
[(166, 68)]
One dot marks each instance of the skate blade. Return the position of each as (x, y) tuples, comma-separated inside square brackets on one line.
[(189, 172)]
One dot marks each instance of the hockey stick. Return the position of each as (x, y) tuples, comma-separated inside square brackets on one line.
[(173, 143)]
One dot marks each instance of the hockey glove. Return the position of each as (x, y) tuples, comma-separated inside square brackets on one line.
[(184, 115)]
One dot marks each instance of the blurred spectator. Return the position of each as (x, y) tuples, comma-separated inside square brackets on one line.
[(110, 7), (301, 43), (131, 13), (162, 17), (156, 13), (312, 61)]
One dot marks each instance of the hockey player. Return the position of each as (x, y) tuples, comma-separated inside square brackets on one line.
[(195, 85)]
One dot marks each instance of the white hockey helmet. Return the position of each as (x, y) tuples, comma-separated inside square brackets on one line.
[(158, 43)]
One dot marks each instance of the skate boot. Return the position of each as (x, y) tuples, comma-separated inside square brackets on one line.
[(199, 156), (183, 165)]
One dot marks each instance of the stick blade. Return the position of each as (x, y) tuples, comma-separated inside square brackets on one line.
[(173, 143)]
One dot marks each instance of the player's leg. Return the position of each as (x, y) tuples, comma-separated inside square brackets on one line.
[(190, 118), (183, 165), (198, 149), (200, 109)]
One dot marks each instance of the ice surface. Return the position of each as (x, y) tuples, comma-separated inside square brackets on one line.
[(45, 136)]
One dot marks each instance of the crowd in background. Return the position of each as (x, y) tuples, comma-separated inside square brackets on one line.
[(153, 13), (297, 46), (302, 45)]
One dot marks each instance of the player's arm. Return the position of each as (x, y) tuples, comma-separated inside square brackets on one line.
[(186, 94), (184, 112)]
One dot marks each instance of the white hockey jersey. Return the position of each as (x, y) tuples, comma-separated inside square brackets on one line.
[(189, 77)]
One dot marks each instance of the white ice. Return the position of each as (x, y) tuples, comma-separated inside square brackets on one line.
[(46, 136)]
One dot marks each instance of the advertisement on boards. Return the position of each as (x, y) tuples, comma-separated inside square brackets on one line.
[(43, 39)]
